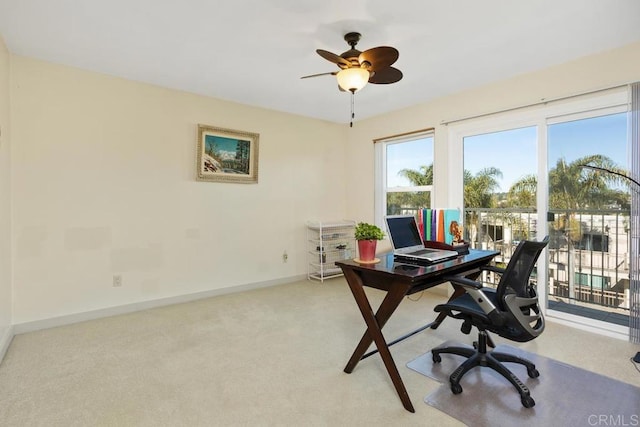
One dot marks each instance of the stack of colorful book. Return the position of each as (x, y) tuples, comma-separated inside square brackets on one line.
[(440, 225)]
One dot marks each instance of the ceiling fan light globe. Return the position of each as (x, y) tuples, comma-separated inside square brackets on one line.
[(352, 79)]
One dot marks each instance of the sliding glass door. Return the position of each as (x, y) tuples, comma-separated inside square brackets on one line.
[(538, 171), (589, 248)]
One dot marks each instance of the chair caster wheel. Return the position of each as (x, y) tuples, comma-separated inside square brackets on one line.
[(533, 373), (456, 388), (436, 358), (528, 402)]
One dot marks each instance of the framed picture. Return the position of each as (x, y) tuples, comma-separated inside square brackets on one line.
[(226, 155)]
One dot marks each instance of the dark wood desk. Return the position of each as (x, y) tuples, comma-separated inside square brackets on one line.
[(398, 280)]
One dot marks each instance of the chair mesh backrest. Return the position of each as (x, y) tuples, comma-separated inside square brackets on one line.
[(518, 301), (515, 279)]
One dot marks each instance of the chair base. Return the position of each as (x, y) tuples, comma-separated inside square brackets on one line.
[(491, 359)]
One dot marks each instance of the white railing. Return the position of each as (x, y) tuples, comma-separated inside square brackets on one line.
[(588, 250)]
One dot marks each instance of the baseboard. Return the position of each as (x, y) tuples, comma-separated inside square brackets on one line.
[(589, 325), (21, 328), (5, 341)]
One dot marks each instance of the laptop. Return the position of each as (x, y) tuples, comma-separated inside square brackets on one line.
[(407, 243)]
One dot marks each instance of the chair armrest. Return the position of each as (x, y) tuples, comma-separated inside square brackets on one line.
[(464, 282), (493, 268), (474, 289)]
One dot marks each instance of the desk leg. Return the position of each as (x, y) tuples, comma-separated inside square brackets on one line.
[(375, 323)]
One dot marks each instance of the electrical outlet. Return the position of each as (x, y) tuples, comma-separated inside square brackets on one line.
[(117, 281), (285, 257)]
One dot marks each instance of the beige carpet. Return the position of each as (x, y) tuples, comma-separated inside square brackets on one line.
[(564, 394), (267, 357)]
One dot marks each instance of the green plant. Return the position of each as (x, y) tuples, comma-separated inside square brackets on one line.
[(366, 231)]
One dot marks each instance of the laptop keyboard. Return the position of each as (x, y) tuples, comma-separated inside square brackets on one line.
[(420, 252)]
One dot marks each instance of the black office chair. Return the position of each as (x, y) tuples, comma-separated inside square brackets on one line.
[(511, 311)]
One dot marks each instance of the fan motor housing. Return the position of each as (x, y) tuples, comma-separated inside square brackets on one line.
[(352, 54)]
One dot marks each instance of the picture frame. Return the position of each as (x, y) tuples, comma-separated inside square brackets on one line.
[(227, 155)]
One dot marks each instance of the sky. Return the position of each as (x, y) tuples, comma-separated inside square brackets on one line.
[(514, 151), (221, 143), (407, 155)]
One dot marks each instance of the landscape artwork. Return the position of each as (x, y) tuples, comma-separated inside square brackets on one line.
[(226, 155)]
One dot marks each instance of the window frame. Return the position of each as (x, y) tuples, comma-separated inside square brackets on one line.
[(380, 167)]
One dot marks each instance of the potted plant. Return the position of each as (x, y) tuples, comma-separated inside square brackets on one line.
[(367, 236)]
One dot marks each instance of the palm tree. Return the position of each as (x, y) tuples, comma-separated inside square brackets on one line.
[(479, 192), (573, 187), (479, 189), (522, 194), (421, 177), (424, 176)]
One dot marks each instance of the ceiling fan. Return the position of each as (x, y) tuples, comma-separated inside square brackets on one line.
[(359, 68)]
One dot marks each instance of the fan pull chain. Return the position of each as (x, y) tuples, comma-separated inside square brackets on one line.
[(353, 95)]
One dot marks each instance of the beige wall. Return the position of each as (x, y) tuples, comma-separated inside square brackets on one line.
[(5, 202), (103, 177), (103, 181), (590, 73)]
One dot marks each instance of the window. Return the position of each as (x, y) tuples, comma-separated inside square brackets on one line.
[(593, 242), (404, 174), (593, 281)]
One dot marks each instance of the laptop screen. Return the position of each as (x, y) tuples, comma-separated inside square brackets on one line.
[(403, 231)]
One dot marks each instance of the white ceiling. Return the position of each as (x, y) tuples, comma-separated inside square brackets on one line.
[(255, 51)]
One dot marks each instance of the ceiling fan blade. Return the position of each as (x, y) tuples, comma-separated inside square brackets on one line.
[(386, 76), (332, 57), (379, 57), (332, 73)]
